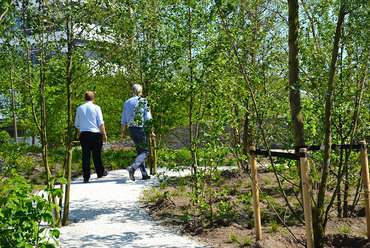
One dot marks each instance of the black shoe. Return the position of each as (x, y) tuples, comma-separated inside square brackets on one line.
[(86, 180), (145, 177), (104, 174), (131, 173)]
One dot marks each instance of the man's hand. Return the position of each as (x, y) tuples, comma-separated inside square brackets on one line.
[(104, 134), (152, 136)]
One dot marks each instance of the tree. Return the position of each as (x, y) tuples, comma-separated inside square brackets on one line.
[(318, 211), (29, 17), (341, 95), (294, 84)]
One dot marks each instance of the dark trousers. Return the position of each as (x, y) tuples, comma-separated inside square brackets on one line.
[(91, 142), (138, 135)]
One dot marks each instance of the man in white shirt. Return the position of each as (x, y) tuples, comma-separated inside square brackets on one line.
[(135, 114), (90, 125)]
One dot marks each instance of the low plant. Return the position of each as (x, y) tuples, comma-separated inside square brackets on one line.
[(246, 241), (185, 218), (274, 226), (25, 218), (4, 136), (153, 195), (225, 210), (267, 181), (234, 238), (346, 230), (246, 199)]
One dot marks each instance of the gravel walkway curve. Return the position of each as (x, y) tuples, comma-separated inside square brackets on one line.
[(105, 213)]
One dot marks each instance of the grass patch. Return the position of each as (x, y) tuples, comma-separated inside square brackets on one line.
[(345, 229), (245, 241)]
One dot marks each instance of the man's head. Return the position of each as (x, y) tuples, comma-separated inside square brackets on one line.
[(89, 96), (137, 89)]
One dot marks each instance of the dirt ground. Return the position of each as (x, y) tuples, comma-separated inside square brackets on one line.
[(233, 226)]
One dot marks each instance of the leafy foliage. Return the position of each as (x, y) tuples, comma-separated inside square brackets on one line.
[(25, 218)]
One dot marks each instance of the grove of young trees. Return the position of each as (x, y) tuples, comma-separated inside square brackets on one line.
[(231, 72)]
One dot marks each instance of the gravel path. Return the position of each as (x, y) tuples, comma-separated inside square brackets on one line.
[(105, 213)]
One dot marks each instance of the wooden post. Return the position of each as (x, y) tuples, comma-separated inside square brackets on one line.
[(255, 192), (306, 197), (153, 157), (365, 175)]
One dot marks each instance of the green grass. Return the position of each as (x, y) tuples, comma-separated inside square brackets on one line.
[(274, 226), (153, 195), (345, 229), (245, 241)]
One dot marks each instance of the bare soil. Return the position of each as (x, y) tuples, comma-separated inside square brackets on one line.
[(232, 224)]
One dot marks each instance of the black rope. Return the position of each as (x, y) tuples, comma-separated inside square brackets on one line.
[(297, 155), (303, 154), (275, 154), (333, 147)]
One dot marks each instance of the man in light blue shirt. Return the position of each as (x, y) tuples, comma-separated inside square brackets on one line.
[(135, 114), (90, 125)]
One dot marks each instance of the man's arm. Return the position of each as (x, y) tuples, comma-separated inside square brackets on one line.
[(77, 122), (102, 128), (123, 136)]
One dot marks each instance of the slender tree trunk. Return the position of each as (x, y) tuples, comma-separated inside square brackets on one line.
[(319, 220), (42, 128), (248, 131), (294, 94), (191, 107), (13, 106), (44, 140), (69, 138), (247, 138), (294, 84)]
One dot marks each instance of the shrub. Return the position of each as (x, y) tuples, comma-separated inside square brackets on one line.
[(4, 136), (21, 215), (225, 210)]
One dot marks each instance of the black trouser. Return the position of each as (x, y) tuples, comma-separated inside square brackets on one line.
[(91, 142)]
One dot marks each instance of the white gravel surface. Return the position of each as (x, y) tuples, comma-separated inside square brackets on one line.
[(105, 213)]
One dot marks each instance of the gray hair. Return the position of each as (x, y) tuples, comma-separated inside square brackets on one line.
[(136, 88)]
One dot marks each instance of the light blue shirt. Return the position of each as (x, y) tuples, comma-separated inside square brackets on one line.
[(135, 112), (89, 117)]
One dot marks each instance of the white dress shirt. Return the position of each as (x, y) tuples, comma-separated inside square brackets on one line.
[(89, 117)]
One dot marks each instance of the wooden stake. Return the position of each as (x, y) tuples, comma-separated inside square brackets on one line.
[(306, 197), (153, 157), (255, 192), (365, 175)]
